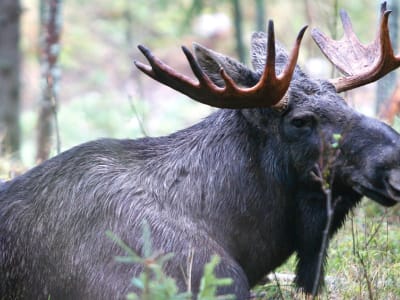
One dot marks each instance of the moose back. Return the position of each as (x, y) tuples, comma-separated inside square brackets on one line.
[(244, 183)]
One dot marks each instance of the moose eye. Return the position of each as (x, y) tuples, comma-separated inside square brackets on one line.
[(300, 122)]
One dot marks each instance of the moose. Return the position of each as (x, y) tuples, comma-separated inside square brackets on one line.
[(245, 183)]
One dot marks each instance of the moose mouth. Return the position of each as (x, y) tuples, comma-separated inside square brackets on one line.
[(388, 196)]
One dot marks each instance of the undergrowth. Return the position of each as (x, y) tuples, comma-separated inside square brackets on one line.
[(153, 284), (363, 260)]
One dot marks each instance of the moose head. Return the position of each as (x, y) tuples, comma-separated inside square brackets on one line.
[(298, 117), (298, 105)]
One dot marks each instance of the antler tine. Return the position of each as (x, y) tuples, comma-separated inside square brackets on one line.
[(269, 69), (268, 92), (279, 84), (162, 72), (290, 67), (359, 63)]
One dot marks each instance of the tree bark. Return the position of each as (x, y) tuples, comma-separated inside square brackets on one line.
[(10, 12), (50, 18)]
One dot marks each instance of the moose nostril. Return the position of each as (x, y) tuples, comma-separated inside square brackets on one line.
[(394, 179)]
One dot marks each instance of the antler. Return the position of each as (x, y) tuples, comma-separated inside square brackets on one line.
[(268, 92), (359, 63)]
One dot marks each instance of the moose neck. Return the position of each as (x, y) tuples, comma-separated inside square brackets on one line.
[(224, 167), (223, 154)]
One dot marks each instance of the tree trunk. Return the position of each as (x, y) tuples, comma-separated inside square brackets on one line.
[(50, 19), (260, 15), (10, 11), (238, 20), (387, 84)]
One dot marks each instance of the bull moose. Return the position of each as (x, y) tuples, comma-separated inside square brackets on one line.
[(244, 183)]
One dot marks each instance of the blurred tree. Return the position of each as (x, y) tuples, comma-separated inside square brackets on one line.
[(238, 21), (391, 109), (195, 9), (129, 34), (387, 84), (260, 15), (50, 21), (10, 11)]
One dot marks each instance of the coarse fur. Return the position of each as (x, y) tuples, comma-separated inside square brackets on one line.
[(238, 184)]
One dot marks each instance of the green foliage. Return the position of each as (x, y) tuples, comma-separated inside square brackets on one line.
[(272, 290), (4, 168), (364, 252), (9, 167), (92, 116), (396, 124), (97, 115), (366, 255), (210, 283), (336, 140), (153, 284), (99, 42), (331, 152)]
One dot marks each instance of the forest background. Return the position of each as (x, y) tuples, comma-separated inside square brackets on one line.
[(87, 60)]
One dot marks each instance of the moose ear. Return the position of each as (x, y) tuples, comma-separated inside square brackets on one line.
[(211, 62), (259, 53)]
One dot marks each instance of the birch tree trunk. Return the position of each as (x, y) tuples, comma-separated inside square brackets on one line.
[(50, 19)]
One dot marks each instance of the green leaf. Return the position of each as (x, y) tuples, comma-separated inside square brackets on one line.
[(209, 282), (121, 243), (147, 245), (132, 296), (337, 137), (128, 259), (137, 282)]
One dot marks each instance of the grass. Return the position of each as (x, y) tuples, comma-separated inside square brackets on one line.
[(363, 259)]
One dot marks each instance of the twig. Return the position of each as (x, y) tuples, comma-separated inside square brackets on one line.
[(353, 235), (189, 269), (279, 287), (374, 233), (366, 277), (136, 113), (387, 236), (327, 176), (130, 42), (357, 254), (325, 240)]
